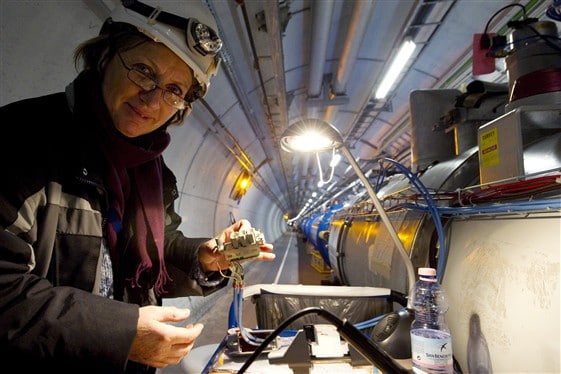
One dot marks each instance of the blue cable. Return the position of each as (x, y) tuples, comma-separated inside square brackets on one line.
[(554, 10), (433, 212), (369, 323)]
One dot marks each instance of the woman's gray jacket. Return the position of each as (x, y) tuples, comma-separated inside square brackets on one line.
[(53, 208)]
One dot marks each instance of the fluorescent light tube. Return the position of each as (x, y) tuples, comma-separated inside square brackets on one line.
[(405, 52)]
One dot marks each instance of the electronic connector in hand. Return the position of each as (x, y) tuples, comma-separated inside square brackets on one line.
[(243, 244)]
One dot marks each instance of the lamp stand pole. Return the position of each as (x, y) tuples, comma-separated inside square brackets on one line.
[(385, 219)]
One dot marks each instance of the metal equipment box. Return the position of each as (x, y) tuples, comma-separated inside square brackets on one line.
[(503, 140), (500, 148)]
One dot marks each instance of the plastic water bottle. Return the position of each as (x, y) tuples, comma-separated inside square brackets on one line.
[(431, 341)]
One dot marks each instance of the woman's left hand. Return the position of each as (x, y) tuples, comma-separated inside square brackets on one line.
[(212, 259)]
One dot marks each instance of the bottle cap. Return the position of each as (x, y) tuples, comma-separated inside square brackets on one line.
[(427, 274)]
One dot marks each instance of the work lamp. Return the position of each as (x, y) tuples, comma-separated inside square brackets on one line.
[(314, 135)]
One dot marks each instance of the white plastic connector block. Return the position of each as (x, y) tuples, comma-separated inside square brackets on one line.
[(243, 244), (328, 342)]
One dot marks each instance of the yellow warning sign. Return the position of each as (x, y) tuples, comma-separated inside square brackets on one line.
[(489, 148)]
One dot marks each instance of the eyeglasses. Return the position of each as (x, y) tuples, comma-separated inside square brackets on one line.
[(147, 83)]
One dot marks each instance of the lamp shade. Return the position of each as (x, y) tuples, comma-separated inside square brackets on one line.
[(310, 135)]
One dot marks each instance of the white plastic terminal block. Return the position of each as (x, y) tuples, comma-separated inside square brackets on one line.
[(328, 342), (243, 244)]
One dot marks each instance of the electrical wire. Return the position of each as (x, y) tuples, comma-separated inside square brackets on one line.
[(433, 212), (500, 10), (237, 305), (529, 188), (369, 323), (502, 208), (540, 184), (546, 38), (361, 343), (486, 42), (237, 300), (554, 10), (517, 189), (491, 193)]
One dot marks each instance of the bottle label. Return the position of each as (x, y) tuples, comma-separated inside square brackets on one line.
[(431, 351)]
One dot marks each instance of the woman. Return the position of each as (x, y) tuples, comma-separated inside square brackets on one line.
[(89, 242)]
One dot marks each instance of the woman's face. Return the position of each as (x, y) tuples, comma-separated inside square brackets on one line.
[(134, 110)]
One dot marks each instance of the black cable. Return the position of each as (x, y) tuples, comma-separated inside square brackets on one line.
[(351, 334), (485, 41), (398, 297), (546, 38)]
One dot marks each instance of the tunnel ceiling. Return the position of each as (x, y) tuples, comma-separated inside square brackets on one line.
[(294, 59)]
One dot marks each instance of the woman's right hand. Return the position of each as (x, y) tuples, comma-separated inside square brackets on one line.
[(212, 260)]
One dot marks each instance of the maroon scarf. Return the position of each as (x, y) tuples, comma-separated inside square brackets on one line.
[(133, 179)]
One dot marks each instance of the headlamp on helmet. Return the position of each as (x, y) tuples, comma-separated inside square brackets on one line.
[(203, 38), (193, 39)]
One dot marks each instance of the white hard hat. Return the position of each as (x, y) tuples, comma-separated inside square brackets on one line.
[(193, 38)]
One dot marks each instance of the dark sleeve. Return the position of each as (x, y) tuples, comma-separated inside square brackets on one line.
[(43, 326)]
